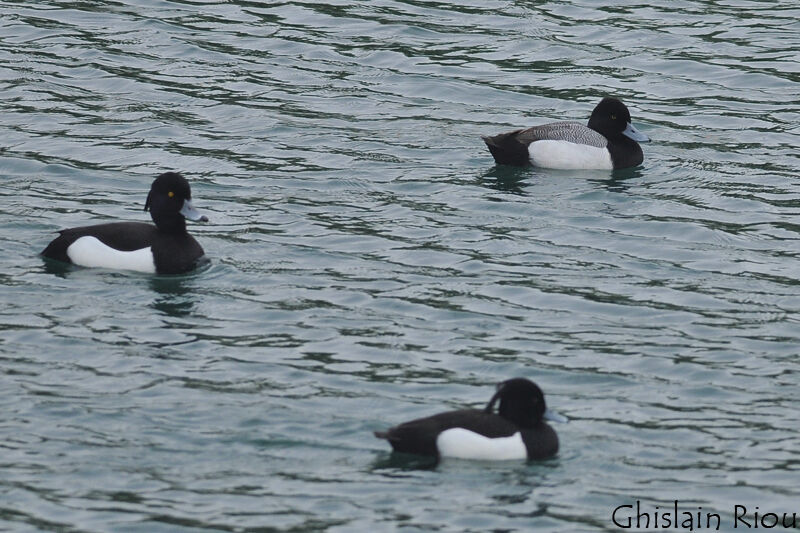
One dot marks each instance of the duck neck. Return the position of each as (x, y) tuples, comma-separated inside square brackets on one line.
[(173, 224), (518, 413)]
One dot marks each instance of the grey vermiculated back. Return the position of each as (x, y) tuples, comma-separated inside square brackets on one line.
[(563, 131)]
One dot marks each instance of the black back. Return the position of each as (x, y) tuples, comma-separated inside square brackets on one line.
[(125, 236), (174, 250), (419, 436)]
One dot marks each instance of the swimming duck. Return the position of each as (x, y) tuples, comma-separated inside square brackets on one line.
[(609, 142), (163, 248), (517, 431)]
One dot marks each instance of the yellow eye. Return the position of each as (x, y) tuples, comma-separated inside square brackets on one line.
[(613, 117), (170, 194)]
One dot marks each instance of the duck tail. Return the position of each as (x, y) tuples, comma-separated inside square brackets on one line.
[(507, 150), (381, 434)]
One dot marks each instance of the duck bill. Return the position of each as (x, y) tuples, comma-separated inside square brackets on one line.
[(636, 135), (552, 416), (188, 211)]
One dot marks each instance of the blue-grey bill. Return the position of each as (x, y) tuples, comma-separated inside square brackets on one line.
[(188, 211), (635, 134), (552, 416)]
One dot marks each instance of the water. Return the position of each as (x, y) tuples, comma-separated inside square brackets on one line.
[(370, 264)]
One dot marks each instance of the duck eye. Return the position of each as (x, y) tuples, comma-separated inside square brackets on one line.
[(613, 116), (170, 194)]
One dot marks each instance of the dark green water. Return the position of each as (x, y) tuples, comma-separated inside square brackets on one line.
[(370, 264)]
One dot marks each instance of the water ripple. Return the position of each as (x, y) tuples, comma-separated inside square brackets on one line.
[(371, 265)]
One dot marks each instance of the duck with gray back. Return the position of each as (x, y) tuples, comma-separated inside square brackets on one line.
[(516, 431), (610, 141), (163, 248)]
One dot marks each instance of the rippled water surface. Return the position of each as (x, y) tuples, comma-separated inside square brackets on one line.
[(370, 264)]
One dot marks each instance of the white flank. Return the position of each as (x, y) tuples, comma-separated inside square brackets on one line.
[(568, 155), (91, 252), (464, 444)]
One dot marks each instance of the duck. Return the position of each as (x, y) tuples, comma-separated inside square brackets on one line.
[(516, 431), (163, 248), (610, 141)]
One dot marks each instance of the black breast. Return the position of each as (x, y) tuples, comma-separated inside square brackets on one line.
[(541, 441), (625, 152), (176, 254)]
